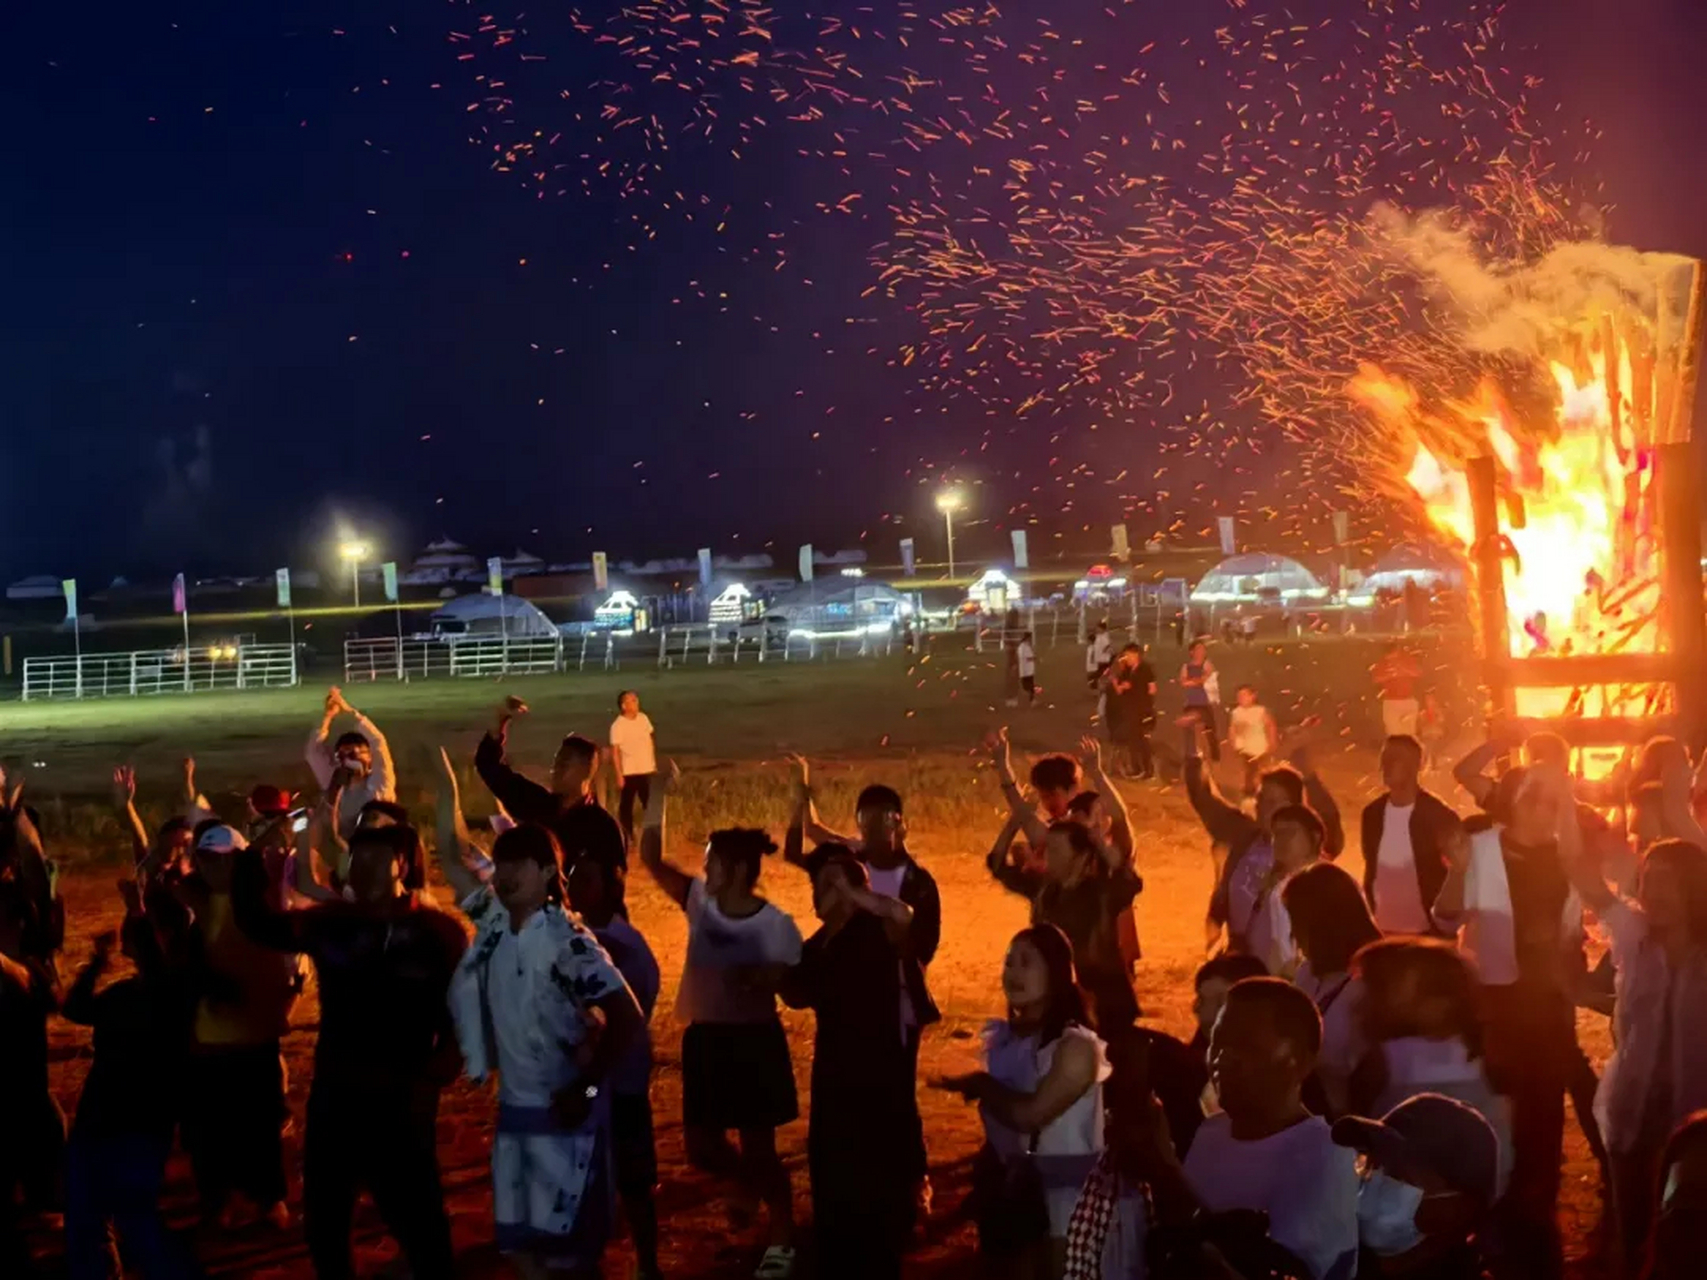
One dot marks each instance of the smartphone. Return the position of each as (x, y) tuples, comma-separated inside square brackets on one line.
[(298, 820)]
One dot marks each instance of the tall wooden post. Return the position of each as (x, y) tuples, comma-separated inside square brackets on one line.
[(1682, 615), (1490, 582)]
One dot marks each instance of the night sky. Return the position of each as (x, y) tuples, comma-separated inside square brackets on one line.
[(258, 278)]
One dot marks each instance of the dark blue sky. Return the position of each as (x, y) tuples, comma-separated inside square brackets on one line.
[(180, 386)]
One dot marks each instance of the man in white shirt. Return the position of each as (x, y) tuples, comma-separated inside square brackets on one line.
[(1406, 834), (1028, 668), (1098, 655), (633, 757), (1264, 1151), (359, 760)]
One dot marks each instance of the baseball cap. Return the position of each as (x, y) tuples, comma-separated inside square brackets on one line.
[(1430, 1133), (221, 838), (270, 801)]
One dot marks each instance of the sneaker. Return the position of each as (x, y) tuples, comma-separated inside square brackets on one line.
[(777, 1264)]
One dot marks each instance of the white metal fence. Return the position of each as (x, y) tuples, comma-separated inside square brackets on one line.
[(387, 658), (152, 671)]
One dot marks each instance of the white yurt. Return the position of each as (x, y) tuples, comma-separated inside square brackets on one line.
[(1255, 577), (1430, 567), (486, 617)]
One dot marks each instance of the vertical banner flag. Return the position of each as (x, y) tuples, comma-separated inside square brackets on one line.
[(495, 575), (179, 603), (601, 571), (1122, 548), (906, 557), (282, 576), (705, 566), (70, 585), (1226, 523), (1340, 522), (1022, 558), (388, 572), (806, 563)]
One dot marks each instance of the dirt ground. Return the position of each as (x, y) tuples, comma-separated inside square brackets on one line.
[(937, 716)]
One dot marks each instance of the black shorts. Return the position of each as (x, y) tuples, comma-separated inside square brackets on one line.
[(634, 1149), (737, 1075)]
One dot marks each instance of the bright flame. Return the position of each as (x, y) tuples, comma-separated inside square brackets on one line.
[(1582, 571)]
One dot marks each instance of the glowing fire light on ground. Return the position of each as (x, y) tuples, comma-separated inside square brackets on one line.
[(1581, 557)]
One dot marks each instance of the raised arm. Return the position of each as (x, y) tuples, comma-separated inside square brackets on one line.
[(794, 843), (1471, 772), (384, 775), (1035, 828), (1226, 823), (812, 826), (1120, 818), (322, 829), (1322, 801), (671, 878), (522, 798), (453, 840), (124, 802), (318, 752), (260, 922)]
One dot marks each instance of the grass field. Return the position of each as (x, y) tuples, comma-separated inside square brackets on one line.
[(912, 724)]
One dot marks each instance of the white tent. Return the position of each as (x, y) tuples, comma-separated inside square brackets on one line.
[(487, 617), (841, 605), (1256, 577), (1429, 566)]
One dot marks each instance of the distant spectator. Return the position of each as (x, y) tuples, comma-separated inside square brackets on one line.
[(633, 757)]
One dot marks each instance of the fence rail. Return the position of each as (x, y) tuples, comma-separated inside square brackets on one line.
[(145, 672)]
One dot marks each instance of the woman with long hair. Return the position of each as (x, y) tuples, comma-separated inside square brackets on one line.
[(1040, 1096), (1658, 1072), (1331, 923), (1420, 1018)]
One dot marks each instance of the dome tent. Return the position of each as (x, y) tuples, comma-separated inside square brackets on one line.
[(486, 616), (1427, 565), (1256, 577)]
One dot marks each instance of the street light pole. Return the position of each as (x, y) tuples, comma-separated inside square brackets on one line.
[(355, 551), (948, 502)]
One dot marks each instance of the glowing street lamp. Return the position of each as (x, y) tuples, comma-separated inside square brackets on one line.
[(948, 502), (355, 551)]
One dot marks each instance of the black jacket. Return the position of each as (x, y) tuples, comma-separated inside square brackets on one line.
[(1432, 825), (918, 891)]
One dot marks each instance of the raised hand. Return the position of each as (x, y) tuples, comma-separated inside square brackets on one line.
[(802, 773), (1090, 753), (124, 787), (996, 743), (189, 768)]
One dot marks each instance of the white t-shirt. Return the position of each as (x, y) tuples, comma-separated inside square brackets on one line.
[(1248, 730), (1299, 1177), (1027, 659), (1399, 907), (634, 739), (718, 947), (1102, 649)]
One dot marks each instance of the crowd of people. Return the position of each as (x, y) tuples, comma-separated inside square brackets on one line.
[(1376, 1085)]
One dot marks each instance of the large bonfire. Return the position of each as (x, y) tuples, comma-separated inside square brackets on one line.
[(1571, 425)]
